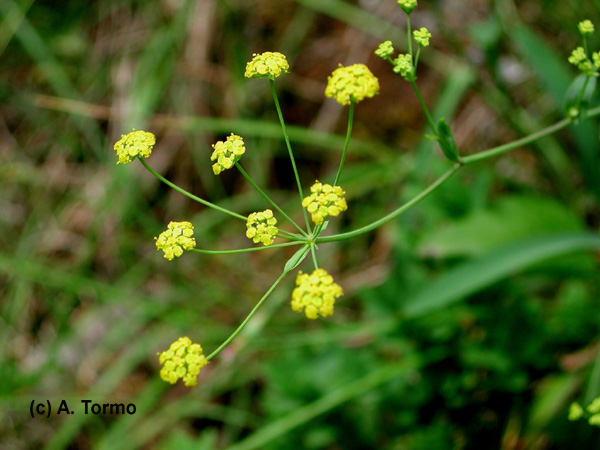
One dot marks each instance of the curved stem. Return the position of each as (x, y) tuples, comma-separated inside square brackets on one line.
[(289, 147), (268, 199), (499, 150), (394, 214), (346, 143), (248, 317), (244, 250), (189, 195), (408, 35), (424, 107)]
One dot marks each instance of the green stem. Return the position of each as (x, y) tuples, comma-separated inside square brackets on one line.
[(424, 107), (394, 214), (244, 250), (289, 147), (520, 142), (268, 199), (486, 154), (314, 256), (248, 317), (409, 35), (582, 93), (346, 143), (417, 61), (189, 195), (293, 236)]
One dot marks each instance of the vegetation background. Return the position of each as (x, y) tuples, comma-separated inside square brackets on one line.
[(471, 322)]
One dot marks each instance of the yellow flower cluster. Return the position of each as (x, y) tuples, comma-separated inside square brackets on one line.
[(580, 59), (407, 5), (182, 360), (227, 153), (267, 65), (385, 50), (403, 65), (351, 84), (422, 36), (592, 412), (261, 227), (315, 294), (586, 27), (175, 239), (324, 200), (134, 144)]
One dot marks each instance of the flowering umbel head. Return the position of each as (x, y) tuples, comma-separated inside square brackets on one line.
[(407, 5), (586, 27), (591, 412), (267, 65), (134, 144), (404, 66), (182, 360), (324, 200), (261, 227), (580, 59), (385, 50), (422, 36), (227, 153), (315, 294), (351, 84), (178, 236)]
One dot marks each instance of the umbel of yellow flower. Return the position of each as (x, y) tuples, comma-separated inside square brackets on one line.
[(315, 294), (407, 5), (267, 65), (422, 36), (261, 227), (580, 59), (182, 360), (178, 236), (586, 27), (134, 144), (351, 84), (324, 200), (227, 153)]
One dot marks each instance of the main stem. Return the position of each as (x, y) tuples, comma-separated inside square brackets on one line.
[(392, 215), (268, 199), (424, 107), (486, 154), (248, 317), (190, 195), (289, 147)]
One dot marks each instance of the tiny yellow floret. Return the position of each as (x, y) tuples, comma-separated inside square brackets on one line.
[(175, 239), (575, 411), (315, 294), (324, 200), (351, 84), (422, 37), (227, 153), (403, 65), (267, 65), (138, 143), (586, 27), (594, 420), (182, 360), (407, 5), (385, 50), (261, 227)]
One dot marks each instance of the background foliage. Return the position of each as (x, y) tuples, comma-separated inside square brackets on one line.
[(470, 322)]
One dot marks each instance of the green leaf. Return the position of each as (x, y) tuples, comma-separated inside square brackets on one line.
[(574, 99), (296, 259), (446, 141), (480, 273)]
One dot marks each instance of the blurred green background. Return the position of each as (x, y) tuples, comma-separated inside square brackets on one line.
[(471, 322)]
